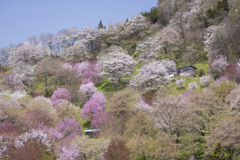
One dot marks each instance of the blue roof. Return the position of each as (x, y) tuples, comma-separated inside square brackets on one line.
[(92, 130)]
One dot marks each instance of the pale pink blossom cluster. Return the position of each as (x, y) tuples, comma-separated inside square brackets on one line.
[(219, 64), (180, 83), (39, 135), (192, 86), (87, 89), (205, 80), (69, 153)]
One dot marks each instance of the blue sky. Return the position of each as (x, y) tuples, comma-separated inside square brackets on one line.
[(21, 19)]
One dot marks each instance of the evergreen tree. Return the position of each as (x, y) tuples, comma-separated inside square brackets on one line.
[(100, 25), (225, 5)]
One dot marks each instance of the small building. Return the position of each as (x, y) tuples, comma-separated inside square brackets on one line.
[(186, 71), (92, 132)]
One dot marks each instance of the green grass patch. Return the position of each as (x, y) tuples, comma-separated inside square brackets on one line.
[(106, 85), (202, 66), (176, 91)]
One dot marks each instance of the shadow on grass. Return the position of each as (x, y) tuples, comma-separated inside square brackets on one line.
[(108, 86)]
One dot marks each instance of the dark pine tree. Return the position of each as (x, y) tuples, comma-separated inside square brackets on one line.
[(100, 25), (225, 5)]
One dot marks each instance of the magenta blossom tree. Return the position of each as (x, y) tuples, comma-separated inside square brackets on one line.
[(88, 71), (99, 98), (99, 118), (61, 93), (69, 127), (91, 73), (90, 109)]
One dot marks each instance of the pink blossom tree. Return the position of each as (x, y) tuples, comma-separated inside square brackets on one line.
[(205, 80), (99, 98), (90, 109), (69, 127), (60, 93), (192, 86), (88, 71), (81, 67), (99, 118)]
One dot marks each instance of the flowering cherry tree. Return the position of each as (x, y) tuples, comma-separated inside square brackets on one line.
[(99, 98), (60, 93), (86, 90), (69, 153), (180, 83), (152, 75), (90, 109), (192, 86), (25, 72), (27, 53), (84, 44), (88, 71), (219, 65), (205, 80), (116, 65), (68, 127), (13, 81)]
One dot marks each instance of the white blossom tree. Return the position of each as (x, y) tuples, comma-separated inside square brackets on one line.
[(115, 65), (27, 53), (83, 43), (153, 74)]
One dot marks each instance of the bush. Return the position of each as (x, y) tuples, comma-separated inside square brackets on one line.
[(201, 73), (224, 88)]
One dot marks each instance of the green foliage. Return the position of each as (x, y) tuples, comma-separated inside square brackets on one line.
[(200, 73), (106, 85), (224, 88), (191, 144), (100, 25), (153, 14), (215, 12), (219, 153)]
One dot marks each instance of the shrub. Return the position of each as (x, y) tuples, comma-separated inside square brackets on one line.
[(40, 110), (224, 88)]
